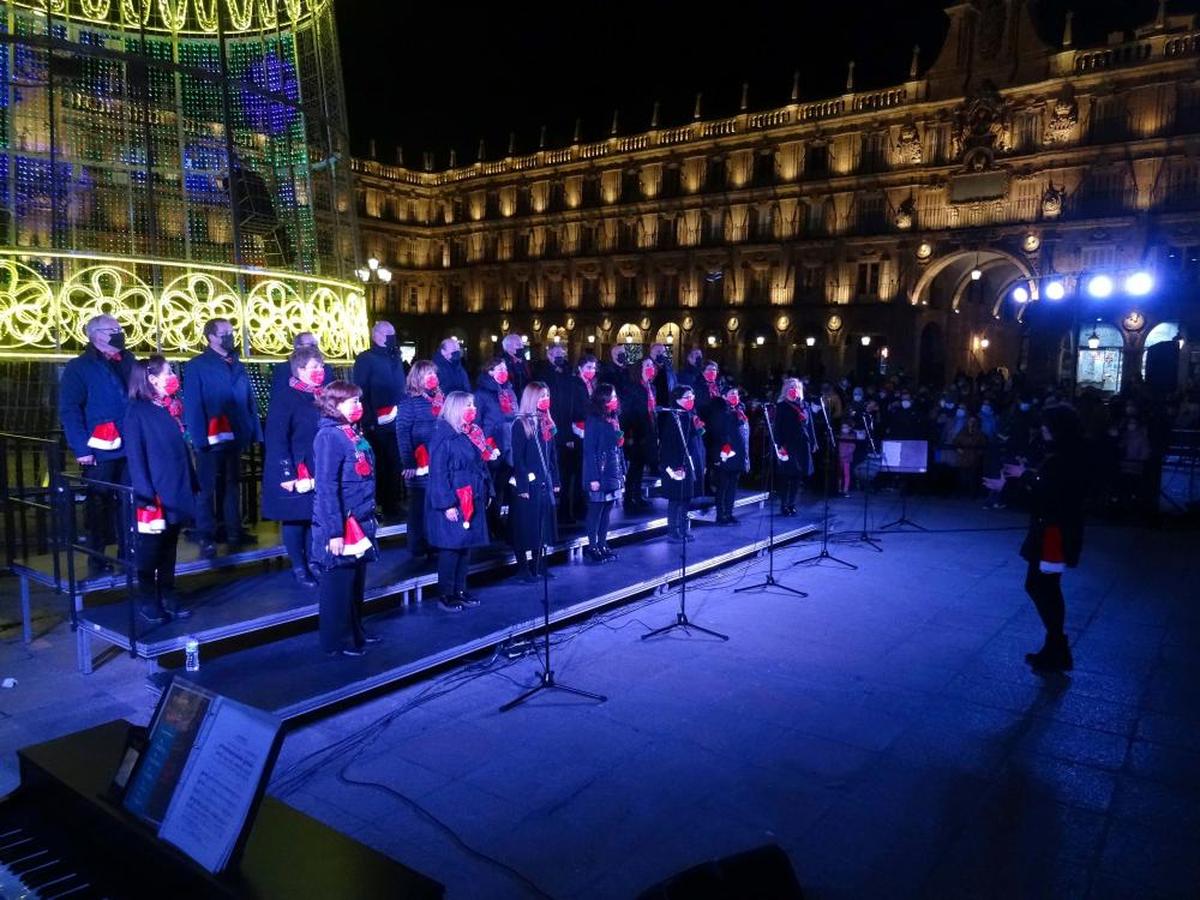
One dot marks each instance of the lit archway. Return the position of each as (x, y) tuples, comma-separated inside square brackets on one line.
[(950, 276)]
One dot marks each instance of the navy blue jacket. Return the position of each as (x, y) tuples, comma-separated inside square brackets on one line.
[(281, 374), (791, 432), (160, 464), (381, 376), (93, 391), (414, 427), (291, 426), (725, 427), (455, 463), (603, 460), (214, 386), (341, 492), (675, 447), (495, 422), (451, 376)]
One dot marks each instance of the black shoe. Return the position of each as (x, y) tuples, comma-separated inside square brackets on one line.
[(175, 609), (608, 554), (208, 550), (303, 577), (353, 652), (154, 615), (467, 599), (450, 604), (372, 639), (242, 539), (1055, 655), (593, 554)]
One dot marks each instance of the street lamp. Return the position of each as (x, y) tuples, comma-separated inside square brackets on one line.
[(373, 275)]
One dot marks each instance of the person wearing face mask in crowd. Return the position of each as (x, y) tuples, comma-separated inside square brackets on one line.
[(556, 374), (708, 397), (639, 419), (164, 485), (419, 412), (728, 449), (535, 470), (289, 469), (452, 375), (516, 358), (380, 372), (792, 455), (969, 446), (693, 368), (904, 422), (343, 519), (574, 422), (497, 406), (221, 414), (603, 469), (281, 373), (457, 497), (91, 408), (677, 432), (615, 370), (664, 373)]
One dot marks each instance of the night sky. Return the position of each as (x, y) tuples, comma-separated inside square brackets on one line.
[(431, 76)]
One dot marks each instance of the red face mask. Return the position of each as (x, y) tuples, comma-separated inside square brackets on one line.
[(687, 403), (648, 374), (171, 388), (543, 403), (468, 415), (710, 374), (501, 376), (612, 405), (431, 382), (317, 377), (732, 398), (793, 394), (355, 413), (587, 374)]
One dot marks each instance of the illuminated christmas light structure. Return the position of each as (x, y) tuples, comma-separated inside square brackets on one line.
[(166, 161)]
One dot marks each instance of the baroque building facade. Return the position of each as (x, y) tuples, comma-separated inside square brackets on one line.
[(885, 230)]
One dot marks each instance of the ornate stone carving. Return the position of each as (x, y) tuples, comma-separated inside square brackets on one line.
[(906, 214), (981, 123), (1052, 201), (908, 147), (1064, 116)]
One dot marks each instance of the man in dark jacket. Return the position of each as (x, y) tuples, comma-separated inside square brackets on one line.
[(664, 374), (516, 357), (380, 373), (281, 375), (221, 415), (617, 371), (557, 375), (693, 370), (448, 362), (91, 407)]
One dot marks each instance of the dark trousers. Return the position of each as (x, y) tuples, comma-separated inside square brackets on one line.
[(418, 544), (726, 485), (102, 510), (452, 570), (677, 517), (502, 497), (220, 476), (598, 513), (341, 606), (633, 478), (789, 488), (387, 468), (1045, 590), (296, 539), (154, 555), (570, 471)]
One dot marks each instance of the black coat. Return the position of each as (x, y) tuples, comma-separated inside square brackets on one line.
[(341, 492), (93, 391), (451, 376), (603, 459), (455, 463), (641, 428), (1056, 494), (414, 428), (381, 376), (281, 376), (562, 401), (538, 482), (791, 433), (219, 386), (160, 464), (520, 373), (675, 443), (291, 426), (578, 411), (725, 427), (497, 424)]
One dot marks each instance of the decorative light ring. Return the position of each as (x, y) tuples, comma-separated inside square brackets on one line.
[(268, 14), (174, 14), (131, 16), (181, 16), (26, 308), (206, 17), (187, 303), (97, 10), (293, 8), (273, 307), (241, 14), (108, 290)]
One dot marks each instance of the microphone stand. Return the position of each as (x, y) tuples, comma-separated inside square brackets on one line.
[(864, 536), (546, 680), (681, 617), (769, 580), (830, 449)]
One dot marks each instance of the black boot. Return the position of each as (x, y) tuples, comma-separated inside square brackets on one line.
[(174, 606), (593, 554), (303, 577), (1055, 655)]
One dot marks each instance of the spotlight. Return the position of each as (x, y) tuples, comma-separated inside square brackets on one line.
[(1020, 294), (866, 340), (984, 343), (1100, 286), (976, 273), (810, 341), (1139, 284), (1055, 290)]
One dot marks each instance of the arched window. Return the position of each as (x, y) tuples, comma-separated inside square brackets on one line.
[(1099, 358)]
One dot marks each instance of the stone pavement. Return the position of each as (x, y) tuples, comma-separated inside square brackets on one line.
[(885, 731)]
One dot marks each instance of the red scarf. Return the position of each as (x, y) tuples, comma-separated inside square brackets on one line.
[(590, 384), (112, 357), (713, 390), (549, 429), (362, 462), (475, 433), (508, 401), (173, 406), (436, 399), (651, 406), (305, 386), (799, 410), (616, 424)]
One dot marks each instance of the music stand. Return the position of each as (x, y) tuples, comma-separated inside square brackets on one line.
[(864, 536), (831, 448), (905, 458)]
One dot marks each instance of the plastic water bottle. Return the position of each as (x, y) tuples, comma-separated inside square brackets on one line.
[(191, 651)]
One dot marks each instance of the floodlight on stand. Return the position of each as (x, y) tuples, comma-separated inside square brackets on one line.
[(1100, 286), (1139, 284), (1055, 290), (1020, 294)]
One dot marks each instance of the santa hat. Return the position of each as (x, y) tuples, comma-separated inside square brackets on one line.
[(466, 502), (1053, 560), (386, 415), (782, 452), (105, 437), (577, 427), (354, 540), (304, 480), (727, 452), (219, 430), (150, 518), (422, 455)]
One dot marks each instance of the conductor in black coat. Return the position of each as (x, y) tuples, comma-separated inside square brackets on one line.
[(379, 371), (163, 481), (677, 431), (535, 469), (343, 519), (419, 412), (289, 470), (792, 455)]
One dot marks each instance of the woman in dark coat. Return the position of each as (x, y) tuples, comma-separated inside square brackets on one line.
[(793, 455), (535, 496), (164, 484), (1054, 541), (343, 519), (730, 432), (676, 439), (496, 406), (457, 496), (583, 385), (639, 418), (418, 414), (603, 468), (288, 468)]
